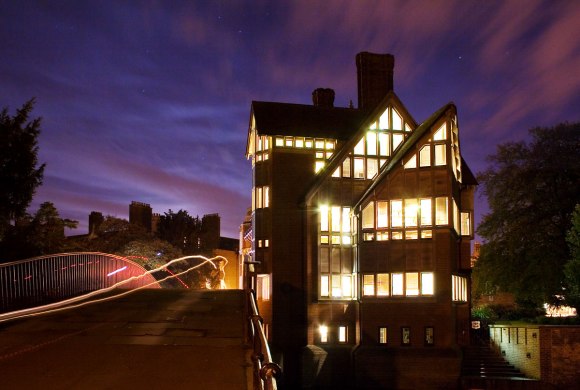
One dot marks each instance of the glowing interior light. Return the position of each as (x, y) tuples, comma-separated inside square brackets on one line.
[(116, 271), (323, 329)]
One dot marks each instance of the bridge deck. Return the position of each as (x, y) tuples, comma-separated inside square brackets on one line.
[(151, 339)]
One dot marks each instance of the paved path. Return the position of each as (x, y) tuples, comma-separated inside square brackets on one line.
[(152, 339)]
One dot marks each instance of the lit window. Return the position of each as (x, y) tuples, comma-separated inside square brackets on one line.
[(412, 163), (308, 143), (427, 285), (263, 287), (384, 120), (412, 284), (397, 235), (459, 288), (368, 216), (323, 218), (266, 196), (329, 145), (429, 335), (372, 167), (382, 236), (371, 143), (465, 224), (382, 285), (406, 335), (259, 243), (279, 141), (427, 233), (318, 165), (397, 139), (266, 243), (456, 222), (359, 168), (346, 285), (382, 214), (441, 133), (319, 144), (397, 284), (328, 155), (319, 155), (299, 142), (346, 167), (359, 149), (324, 239), (396, 213), (384, 144), (336, 172), (288, 142), (368, 236), (397, 121), (335, 218), (407, 127), (346, 219), (324, 287), (441, 214), (425, 156), (335, 240), (426, 218), (369, 285), (342, 334), (336, 286), (440, 155), (259, 197), (323, 330), (411, 234), (383, 335), (411, 208)]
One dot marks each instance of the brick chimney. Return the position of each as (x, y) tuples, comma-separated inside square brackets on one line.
[(375, 78), (323, 97)]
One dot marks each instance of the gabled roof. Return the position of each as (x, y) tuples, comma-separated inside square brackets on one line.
[(355, 136), (404, 148), (306, 120)]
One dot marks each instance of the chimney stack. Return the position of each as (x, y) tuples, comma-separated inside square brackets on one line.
[(323, 97), (375, 78)]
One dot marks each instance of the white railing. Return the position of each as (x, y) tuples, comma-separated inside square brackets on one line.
[(46, 279)]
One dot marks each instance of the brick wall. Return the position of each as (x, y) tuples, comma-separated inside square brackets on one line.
[(548, 353)]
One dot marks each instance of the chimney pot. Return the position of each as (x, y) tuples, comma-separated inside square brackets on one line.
[(323, 97)]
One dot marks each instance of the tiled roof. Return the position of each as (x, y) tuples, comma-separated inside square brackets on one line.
[(306, 120)]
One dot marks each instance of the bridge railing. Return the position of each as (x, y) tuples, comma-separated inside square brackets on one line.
[(265, 370), (46, 279)]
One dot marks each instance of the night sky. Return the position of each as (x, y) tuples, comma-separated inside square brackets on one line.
[(150, 100)]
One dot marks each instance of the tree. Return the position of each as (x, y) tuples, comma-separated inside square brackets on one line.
[(181, 230), (19, 174), (36, 235), (531, 190), (572, 267)]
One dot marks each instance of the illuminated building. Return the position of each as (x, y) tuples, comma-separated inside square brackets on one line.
[(361, 222)]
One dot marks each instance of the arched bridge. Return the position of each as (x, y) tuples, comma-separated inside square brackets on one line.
[(46, 279)]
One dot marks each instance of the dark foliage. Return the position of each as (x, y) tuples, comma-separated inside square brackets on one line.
[(19, 174), (532, 190)]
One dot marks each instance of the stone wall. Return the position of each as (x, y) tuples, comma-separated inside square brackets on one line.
[(548, 353)]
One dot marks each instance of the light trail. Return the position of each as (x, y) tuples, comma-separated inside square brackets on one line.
[(116, 271), (70, 303)]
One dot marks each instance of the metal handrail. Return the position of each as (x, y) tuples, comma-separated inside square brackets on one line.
[(46, 279), (265, 370)]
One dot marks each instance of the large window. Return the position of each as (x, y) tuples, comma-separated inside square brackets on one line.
[(459, 288), (261, 197), (336, 273), (408, 284)]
